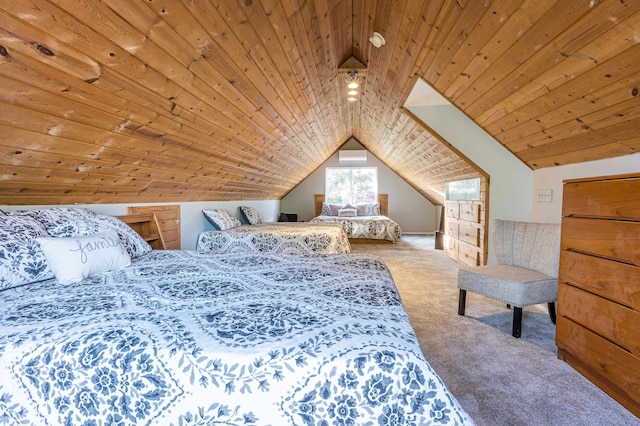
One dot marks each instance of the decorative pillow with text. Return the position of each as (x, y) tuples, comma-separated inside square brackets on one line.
[(73, 259)]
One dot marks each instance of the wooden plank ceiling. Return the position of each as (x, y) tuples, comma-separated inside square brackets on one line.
[(180, 100)]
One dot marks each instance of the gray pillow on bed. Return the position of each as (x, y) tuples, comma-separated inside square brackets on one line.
[(221, 219), (368, 209), (251, 215), (330, 209), (334, 209)]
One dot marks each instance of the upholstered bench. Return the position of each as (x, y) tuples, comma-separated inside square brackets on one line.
[(526, 272)]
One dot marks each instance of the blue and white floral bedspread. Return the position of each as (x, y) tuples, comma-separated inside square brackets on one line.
[(277, 237), (186, 338)]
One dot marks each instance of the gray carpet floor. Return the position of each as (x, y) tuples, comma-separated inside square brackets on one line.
[(498, 379)]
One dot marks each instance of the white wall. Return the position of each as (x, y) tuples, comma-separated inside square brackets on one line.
[(552, 177), (191, 218), (413, 212), (510, 180)]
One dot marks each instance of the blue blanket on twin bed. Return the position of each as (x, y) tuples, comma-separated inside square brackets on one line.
[(182, 338)]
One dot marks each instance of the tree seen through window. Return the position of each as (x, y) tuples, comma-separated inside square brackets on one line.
[(354, 185)]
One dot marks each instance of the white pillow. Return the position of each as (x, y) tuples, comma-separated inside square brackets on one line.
[(343, 212), (73, 259)]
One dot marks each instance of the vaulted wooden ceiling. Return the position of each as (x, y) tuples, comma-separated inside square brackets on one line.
[(179, 100)]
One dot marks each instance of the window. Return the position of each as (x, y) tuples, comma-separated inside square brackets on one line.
[(355, 185), (468, 189)]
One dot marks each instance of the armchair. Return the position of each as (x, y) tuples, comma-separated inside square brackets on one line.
[(526, 272)]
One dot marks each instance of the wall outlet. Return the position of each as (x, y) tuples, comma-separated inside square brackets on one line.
[(545, 195)]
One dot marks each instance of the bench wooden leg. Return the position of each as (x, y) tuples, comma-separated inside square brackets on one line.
[(552, 311), (462, 301), (517, 322)]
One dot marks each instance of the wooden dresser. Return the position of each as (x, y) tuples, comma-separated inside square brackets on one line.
[(464, 227), (598, 325), (465, 222)]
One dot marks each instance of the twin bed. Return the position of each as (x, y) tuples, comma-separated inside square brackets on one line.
[(183, 337), (327, 233), (277, 237)]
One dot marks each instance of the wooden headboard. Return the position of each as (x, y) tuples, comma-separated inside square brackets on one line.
[(382, 198)]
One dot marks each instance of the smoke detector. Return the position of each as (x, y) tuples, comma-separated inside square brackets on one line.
[(377, 40)]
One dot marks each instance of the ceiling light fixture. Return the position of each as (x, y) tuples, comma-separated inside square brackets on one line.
[(352, 80), (353, 83), (353, 73), (377, 40)]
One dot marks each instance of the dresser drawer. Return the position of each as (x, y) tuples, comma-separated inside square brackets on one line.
[(617, 198), (452, 209), (617, 281), (610, 367), (451, 246), (469, 233), (612, 239), (468, 254), (613, 321), (452, 228), (470, 211)]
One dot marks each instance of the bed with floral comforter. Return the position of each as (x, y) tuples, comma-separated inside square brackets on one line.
[(181, 338), (376, 227), (277, 237)]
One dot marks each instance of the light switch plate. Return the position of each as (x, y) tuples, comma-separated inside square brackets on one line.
[(545, 195)]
